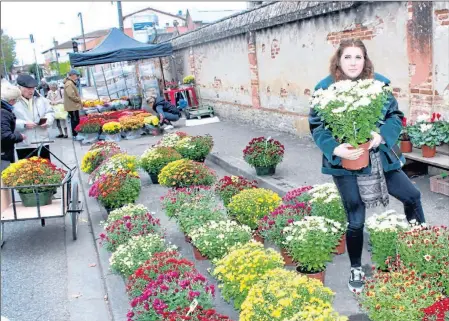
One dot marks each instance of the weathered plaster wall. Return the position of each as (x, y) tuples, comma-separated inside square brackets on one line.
[(261, 67), (441, 57), (222, 72)]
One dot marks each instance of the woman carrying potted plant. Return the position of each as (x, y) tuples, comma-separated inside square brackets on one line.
[(370, 185)]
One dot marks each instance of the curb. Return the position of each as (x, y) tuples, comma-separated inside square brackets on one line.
[(114, 285), (238, 167)]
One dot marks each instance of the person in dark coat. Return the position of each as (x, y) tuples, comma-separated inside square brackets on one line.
[(166, 111), (43, 87), (10, 136), (383, 176)]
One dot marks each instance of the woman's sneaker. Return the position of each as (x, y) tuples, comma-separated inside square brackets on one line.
[(356, 280)]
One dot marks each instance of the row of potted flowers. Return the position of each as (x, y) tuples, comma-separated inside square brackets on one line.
[(243, 266), (411, 272), (112, 126), (426, 133), (160, 283)]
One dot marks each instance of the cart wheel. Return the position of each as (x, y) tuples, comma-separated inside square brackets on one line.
[(74, 203), (2, 232)]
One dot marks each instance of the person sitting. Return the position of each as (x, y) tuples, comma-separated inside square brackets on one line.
[(166, 111)]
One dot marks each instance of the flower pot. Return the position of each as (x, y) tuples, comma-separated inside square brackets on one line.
[(288, 260), (197, 254), (428, 152), (341, 247), (257, 237), (265, 170), (29, 199), (406, 146), (313, 275), (154, 178), (361, 162)]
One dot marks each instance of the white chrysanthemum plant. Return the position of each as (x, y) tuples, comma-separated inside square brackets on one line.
[(311, 242), (130, 256), (215, 238), (384, 229), (326, 201), (351, 109)]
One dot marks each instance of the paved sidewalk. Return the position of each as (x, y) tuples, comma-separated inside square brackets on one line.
[(301, 166), (47, 276)]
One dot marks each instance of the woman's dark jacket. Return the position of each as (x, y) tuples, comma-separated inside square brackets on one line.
[(9, 134), (166, 106), (390, 128)]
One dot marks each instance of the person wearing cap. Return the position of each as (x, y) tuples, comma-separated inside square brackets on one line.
[(72, 99), (9, 94), (34, 118)]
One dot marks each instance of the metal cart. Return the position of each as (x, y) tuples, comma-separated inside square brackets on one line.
[(67, 203)]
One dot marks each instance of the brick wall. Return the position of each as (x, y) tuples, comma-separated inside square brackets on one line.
[(442, 17), (361, 32)]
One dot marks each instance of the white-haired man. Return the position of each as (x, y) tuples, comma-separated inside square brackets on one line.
[(34, 117)]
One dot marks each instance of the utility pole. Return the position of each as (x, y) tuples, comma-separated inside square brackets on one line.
[(120, 15), (55, 43), (35, 58), (84, 49)]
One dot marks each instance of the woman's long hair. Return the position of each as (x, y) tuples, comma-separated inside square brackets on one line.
[(335, 70)]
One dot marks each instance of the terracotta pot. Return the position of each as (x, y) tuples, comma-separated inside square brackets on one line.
[(428, 152), (406, 146), (361, 162), (257, 237), (318, 275), (197, 254), (288, 260), (341, 247)]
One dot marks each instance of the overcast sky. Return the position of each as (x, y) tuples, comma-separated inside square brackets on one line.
[(46, 20)]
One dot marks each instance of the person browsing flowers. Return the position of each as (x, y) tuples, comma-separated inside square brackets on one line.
[(371, 185)]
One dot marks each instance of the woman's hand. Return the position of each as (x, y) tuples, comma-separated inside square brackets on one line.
[(376, 140), (343, 151)]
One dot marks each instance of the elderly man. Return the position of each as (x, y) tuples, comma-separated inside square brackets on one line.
[(72, 99), (34, 117)]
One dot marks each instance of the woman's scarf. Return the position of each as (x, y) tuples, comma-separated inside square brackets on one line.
[(373, 187)]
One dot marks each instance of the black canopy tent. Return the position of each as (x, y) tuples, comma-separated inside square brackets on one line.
[(118, 47)]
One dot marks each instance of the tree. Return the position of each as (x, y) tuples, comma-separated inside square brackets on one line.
[(64, 67), (32, 70), (9, 52)]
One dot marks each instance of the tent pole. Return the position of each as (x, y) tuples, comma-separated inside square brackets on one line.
[(124, 78), (162, 71), (106, 83), (139, 84), (95, 83)]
